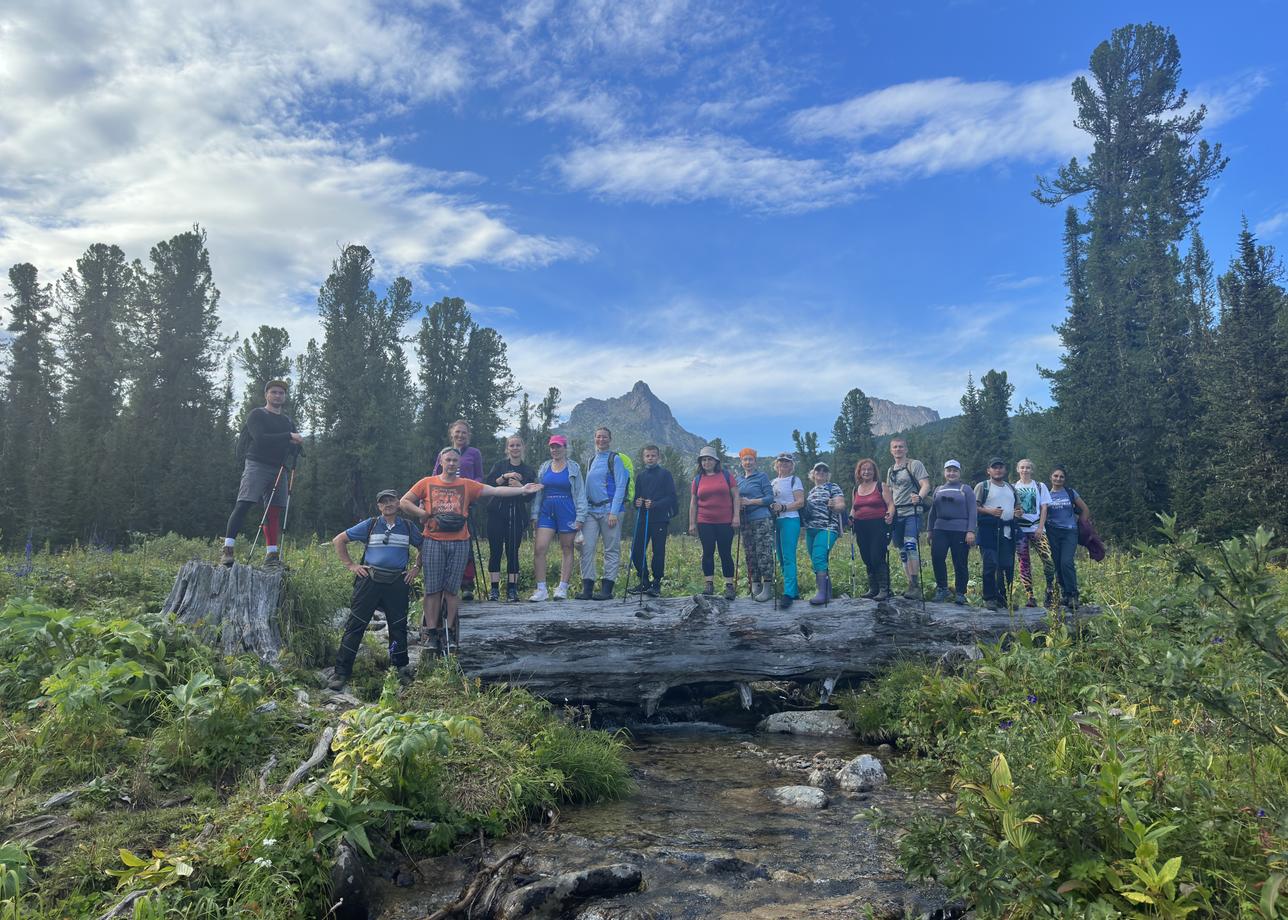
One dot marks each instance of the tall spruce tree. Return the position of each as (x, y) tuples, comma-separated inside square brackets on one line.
[(1245, 396), (851, 435), (995, 412), (971, 440), (262, 358), (172, 460), (1129, 368), (93, 305), (31, 413), (363, 389)]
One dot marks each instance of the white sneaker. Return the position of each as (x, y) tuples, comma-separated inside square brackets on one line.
[(540, 594), (561, 593)]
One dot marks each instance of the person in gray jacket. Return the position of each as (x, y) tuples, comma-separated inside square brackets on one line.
[(953, 523), (559, 509)]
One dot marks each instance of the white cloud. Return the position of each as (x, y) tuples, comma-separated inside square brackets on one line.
[(1271, 225), (1228, 98), (132, 124), (680, 168), (931, 126)]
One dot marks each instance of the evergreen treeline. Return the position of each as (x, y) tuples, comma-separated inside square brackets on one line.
[(118, 413)]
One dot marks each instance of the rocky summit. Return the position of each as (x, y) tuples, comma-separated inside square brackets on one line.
[(635, 418)]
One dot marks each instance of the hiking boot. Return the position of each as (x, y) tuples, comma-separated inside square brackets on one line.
[(454, 639), (587, 589), (872, 592), (639, 588), (1031, 602), (337, 681), (959, 600), (272, 559), (406, 675), (883, 588), (655, 589), (226, 557), (766, 592), (991, 603), (540, 594), (730, 592), (512, 592), (708, 590), (914, 589), (561, 593), (941, 594), (495, 593), (824, 592), (786, 601), (605, 592)]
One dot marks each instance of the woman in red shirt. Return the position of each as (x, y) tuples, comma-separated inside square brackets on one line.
[(867, 517), (713, 516)]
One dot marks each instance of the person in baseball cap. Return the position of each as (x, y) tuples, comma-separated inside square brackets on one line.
[(558, 512), (789, 497)]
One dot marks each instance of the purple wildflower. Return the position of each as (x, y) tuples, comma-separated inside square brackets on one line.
[(1031, 698), (1005, 724)]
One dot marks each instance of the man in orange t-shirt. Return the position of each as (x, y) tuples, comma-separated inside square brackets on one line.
[(443, 503)]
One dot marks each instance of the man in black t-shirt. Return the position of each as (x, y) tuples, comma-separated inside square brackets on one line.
[(271, 439)]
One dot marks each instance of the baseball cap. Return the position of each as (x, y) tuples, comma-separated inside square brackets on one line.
[(276, 383), (386, 493), (785, 456), (954, 464), (997, 461), (821, 466), (558, 439)]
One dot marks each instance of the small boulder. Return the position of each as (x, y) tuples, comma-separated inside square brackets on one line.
[(824, 722), (555, 896), (808, 797), (862, 774), (821, 779)]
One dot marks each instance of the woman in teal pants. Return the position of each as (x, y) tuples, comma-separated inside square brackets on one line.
[(789, 496)]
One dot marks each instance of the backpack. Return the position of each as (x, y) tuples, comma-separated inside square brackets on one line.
[(612, 481), (923, 507)]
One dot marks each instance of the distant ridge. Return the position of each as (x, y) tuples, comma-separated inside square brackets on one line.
[(639, 417)]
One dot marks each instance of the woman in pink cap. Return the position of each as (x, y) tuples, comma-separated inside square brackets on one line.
[(559, 509)]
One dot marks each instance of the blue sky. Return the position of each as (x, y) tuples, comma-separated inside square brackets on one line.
[(752, 206)]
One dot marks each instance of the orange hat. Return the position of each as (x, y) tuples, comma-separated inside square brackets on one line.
[(747, 452)]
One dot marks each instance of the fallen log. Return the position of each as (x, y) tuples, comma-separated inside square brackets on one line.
[(632, 653), (235, 609)]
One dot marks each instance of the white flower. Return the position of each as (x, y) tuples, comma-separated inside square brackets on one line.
[(263, 863), (269, 841)]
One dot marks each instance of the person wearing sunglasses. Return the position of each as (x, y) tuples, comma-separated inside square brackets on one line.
[(381, 581)]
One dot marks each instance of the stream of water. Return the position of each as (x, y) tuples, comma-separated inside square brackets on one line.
[(709, 841)]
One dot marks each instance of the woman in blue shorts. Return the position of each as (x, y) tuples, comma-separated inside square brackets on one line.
[(558, 509)]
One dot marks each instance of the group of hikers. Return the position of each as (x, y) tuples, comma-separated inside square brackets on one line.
[(564, 502)]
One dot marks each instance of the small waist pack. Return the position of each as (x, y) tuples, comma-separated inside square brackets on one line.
[(448, 521), (384, 576)]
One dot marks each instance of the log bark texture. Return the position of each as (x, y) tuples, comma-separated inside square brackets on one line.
[(633, 653), (235, 609)]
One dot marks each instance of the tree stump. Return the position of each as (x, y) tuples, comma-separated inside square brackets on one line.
[(632, 653), (235, 610)]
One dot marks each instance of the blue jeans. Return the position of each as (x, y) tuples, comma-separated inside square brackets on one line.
[(1064, 543), (789, 533)]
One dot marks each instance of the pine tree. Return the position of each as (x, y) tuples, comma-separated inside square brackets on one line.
[(852, 435), (172, 463), (971, 439), (1128, 372), (262, 358), (31, 415), (1245, 396), (995, 414), (806, 449), (93, 304)]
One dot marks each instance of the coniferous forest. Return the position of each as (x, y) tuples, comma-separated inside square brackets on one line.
[(118, 413)]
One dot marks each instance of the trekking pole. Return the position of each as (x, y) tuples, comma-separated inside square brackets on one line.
[(778, 556), (854, 583), (635, 535), (290, 488), (264, 517), (737, 558), (643, 550)]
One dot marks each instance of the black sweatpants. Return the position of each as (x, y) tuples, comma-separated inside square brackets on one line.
[(713, 536), (368, 594), (655, 533), (873, 537), (941, 542), (504, 534), (998, 554)]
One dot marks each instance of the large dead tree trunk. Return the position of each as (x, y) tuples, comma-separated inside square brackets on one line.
[(632, 653), (235, 609)]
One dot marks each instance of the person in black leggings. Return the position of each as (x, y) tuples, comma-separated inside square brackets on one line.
[(871, 532), (713, 516), (953, 522), (506, 519)]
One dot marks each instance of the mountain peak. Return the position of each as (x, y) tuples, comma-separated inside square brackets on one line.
[(636, 418)]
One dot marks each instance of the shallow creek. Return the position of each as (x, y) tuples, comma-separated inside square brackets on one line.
[(708, 840)]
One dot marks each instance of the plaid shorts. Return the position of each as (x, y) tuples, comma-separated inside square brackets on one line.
[(443, 562)]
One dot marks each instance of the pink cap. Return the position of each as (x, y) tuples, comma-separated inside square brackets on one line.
[(558, 439)]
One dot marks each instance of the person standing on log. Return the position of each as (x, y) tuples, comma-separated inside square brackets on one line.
[(822, 519), (907, 488), (756, 494), (871, 532), (789, 497), (507, 519), (270, 438), (999, 506), (443, 503), (559, 510), (607, 484), (1034, 498), (382, 581), (459, 433), (1062, 532), (656, 499), (953, 522), (714, 515)]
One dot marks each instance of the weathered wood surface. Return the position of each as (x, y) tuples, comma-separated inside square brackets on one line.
[(632, 653), (235, 609)]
